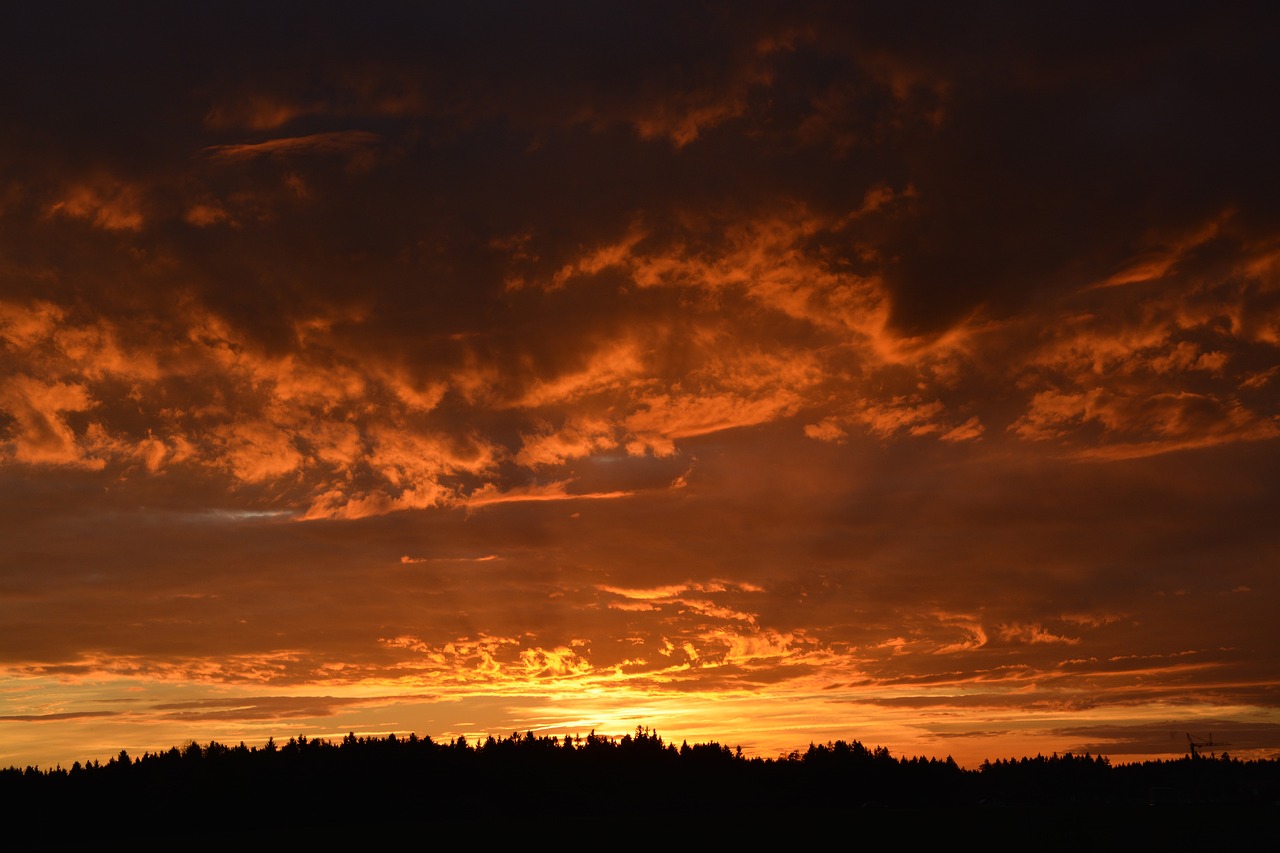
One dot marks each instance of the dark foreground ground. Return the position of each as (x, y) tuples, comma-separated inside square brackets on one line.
[(1220, 828), (630, 793)]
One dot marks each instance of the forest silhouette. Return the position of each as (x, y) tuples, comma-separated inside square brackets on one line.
[(361, 784)]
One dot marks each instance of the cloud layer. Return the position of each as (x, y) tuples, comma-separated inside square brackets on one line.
[(455, 370)]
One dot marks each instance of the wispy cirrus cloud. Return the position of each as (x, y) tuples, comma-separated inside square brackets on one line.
[(557, 491), (345, 142)]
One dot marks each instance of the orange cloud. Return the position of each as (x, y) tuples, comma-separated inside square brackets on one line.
[(404, 456), (608, 368), (766, 257), (970, 430), (827, 429), (578, 438), (300, 416), (105, 202), (1142, 426), (96, 352), (369, 90), (265, 667), (25, 326), (767, 260), (1155, 371), (328, 143), (902, 415), (254, 111), (673, 591), (257, 451), (695, 103), (663, 419), (974, 635), (347, 503), (1164, 255), (646, 594), (1033, 634), (416, 395), (489, 494), (42, 434), (681, 120), (204, 214)]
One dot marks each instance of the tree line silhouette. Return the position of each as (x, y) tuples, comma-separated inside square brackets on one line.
[(392, 779)]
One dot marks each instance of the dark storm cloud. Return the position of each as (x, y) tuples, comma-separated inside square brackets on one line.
[(1041, 146), (38, 718), (1069, 131)]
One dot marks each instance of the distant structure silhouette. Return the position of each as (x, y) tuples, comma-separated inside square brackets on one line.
[(1197, 746)]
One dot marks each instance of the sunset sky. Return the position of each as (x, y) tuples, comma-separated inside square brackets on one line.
[(760, 373)]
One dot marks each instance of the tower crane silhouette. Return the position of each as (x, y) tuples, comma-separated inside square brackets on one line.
[(1198, 745)]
